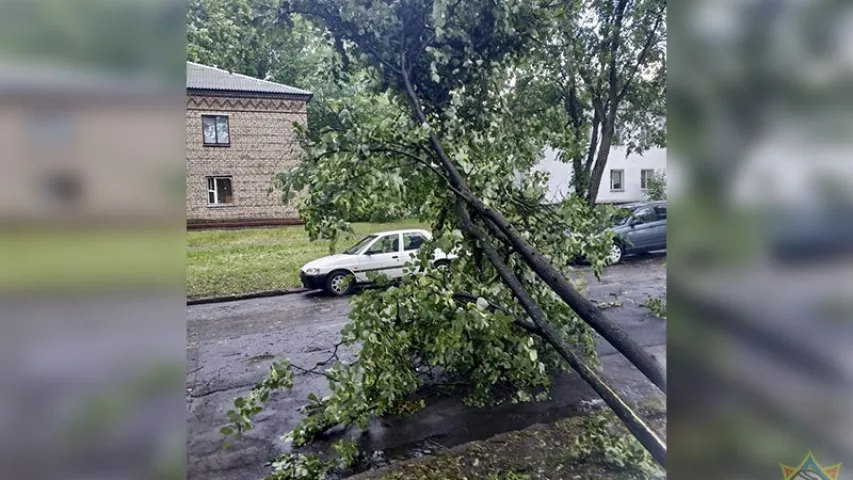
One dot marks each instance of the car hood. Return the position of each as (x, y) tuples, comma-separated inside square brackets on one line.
[(330, 261)]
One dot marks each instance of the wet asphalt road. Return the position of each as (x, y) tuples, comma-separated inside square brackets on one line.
[(231, 345)]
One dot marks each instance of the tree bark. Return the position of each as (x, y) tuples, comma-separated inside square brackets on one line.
[(600, 163), (585, 170)]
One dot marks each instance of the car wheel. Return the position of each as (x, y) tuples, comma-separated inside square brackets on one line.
[(340, 283), (617, 251)]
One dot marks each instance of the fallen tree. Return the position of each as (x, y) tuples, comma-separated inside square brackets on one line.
[(505, 313)]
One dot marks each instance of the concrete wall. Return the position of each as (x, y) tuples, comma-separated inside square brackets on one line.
[(262, 143), (561, 174)]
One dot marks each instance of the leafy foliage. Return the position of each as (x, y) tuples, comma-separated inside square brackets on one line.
[(656, 186), (656, 307), (603, 437), (280, 376), (596, 77), (432, 125), (128, 37)]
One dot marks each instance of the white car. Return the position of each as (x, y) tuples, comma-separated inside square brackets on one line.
[(385, 252)]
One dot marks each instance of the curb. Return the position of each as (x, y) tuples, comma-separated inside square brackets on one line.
[(245, 296)]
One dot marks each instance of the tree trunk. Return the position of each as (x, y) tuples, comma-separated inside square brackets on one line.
[(600, 162), (582, 171)]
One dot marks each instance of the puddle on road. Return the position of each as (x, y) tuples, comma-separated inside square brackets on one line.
[(477, 425)]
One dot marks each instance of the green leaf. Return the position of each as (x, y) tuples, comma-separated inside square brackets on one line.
[(482, 303)]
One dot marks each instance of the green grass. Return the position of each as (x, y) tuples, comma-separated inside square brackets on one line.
[(81, 260), (237, 261)]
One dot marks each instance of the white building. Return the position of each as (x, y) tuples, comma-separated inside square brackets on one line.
[(623, 179)]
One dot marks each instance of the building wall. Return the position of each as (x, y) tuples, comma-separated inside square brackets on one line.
[(262, 143), (560, 174), (70, 161)]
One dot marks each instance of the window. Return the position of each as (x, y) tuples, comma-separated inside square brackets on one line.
[(617, 180), (645, 215), (360, 245), (645, 176), (660, 210), (215, 129), (386, 244), (219, 191), (413, 241)]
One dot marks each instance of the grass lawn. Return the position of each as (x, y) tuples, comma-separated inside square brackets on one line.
[(84, 260), (237, 261)]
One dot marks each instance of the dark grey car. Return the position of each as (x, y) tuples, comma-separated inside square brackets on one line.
[(639, 227)]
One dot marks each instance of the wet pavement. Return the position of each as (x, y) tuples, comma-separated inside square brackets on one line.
[(230, 347)]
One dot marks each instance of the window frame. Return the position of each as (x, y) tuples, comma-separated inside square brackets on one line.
[(215, 117), (644, 180), (621, 179), (413, 234), (215, 191), (382, 238)]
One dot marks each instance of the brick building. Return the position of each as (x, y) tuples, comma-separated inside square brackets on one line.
[(239, 134), (75, 147)]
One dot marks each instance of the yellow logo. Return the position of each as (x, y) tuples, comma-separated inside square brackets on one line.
[(809, 469)]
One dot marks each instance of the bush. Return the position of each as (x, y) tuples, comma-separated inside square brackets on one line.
[(656, 186)]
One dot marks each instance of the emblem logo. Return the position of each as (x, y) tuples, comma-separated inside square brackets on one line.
[(809, 469)]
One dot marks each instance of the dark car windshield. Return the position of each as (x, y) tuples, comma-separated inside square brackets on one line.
[(360, 245), (621, 216)]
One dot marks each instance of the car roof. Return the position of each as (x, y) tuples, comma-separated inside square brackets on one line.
[(635, 205), (405, 230)]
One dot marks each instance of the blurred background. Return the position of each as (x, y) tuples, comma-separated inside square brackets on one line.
[(92, 238), (760, 291)]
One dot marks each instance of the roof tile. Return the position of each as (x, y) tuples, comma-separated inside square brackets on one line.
[(202, 77)]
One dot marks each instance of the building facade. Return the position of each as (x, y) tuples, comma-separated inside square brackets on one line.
[(624, 178), (76, 151), (239, 135)]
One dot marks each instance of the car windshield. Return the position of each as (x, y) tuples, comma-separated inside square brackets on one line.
[(360, 245), (621, 216)]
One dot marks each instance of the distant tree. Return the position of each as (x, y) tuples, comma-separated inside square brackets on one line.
[(597, 78), (127, 37), (656, 186)]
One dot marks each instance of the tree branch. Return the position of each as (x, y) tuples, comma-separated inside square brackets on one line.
[(614, 49), (643, 53), (469, 298), (647, 437), (585, 309)]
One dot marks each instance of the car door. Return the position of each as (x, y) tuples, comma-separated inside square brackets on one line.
[(642, 233), (660, 226), (382, 256), (412, 243)]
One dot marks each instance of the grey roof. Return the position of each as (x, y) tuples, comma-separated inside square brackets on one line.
[(202, 77), (50, 79)]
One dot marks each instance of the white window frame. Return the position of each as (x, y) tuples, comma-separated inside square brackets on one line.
[(211, 189), (216, 142), (621, 179), (644, 185)]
